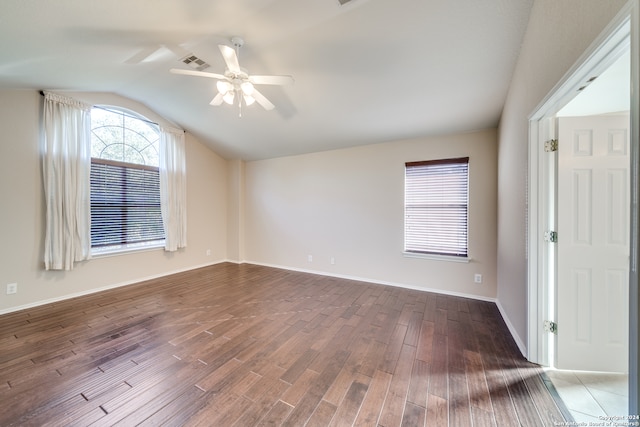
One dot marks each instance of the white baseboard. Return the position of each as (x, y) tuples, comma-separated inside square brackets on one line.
[(377, 282), (514, 334), (104, 288), (512, 330)]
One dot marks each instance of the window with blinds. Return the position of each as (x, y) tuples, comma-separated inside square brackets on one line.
[(125, 182), (125, 204), (436, 207)]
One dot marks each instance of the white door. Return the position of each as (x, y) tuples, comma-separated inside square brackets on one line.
[(593, 243)]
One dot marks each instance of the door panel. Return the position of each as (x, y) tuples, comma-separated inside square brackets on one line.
[(593, 235)]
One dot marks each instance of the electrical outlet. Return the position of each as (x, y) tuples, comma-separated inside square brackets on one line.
[(477, 278), (12, 288), (310, 258), (332, 260), (208, 252)]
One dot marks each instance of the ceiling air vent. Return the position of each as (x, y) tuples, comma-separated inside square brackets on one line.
[(194, 62)]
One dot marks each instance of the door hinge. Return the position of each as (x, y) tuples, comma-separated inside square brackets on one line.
[(551, 236), (550, 326), (551, 145)]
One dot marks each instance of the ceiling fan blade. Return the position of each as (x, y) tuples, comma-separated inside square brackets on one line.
[(177, 50), (271, 80), (143, 54), (196, 73), (217, 100), (262, 100), (230, 58), (151, 52)]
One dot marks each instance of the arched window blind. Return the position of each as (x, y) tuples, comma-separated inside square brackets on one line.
[(436, 207)]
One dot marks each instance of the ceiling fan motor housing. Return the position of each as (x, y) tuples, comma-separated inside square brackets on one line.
[(238, 42)]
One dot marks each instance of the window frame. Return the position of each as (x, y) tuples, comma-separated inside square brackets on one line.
[(448, 252), (125, 247)]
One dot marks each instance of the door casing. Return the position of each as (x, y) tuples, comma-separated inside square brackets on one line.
[(622, 33)]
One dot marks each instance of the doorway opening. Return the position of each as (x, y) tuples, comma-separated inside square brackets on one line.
[(582, 235)]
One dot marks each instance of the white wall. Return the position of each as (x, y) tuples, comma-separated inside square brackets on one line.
[(235, 210), (348, 204), (557, 34), (22, 213), (344, 204)]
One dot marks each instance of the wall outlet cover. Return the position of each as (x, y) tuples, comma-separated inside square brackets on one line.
[(12, 288)]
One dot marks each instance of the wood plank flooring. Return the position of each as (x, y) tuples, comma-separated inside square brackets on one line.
[(245, 345)]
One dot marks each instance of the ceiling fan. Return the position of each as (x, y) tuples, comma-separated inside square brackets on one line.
[(236, 84)]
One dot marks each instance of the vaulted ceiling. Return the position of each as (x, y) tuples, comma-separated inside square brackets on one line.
[(365, 72)]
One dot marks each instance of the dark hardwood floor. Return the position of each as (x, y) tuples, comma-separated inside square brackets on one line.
[(247, 345)]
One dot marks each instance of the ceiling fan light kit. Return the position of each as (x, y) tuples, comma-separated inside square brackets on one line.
[(236, 84)]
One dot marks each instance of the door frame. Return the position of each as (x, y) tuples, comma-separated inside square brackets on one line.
[(623, 31)]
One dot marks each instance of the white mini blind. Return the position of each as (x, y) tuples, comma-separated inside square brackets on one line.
[(125, 204), (436, 207)]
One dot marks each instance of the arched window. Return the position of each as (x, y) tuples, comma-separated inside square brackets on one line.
[(125, 184), (123, 137)]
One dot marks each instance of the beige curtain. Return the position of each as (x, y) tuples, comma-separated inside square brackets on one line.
[(173, 188), (66, 168)]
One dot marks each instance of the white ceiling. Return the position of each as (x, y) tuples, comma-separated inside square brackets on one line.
[(366, 72), (608, 93)]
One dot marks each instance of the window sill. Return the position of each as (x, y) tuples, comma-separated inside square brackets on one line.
[(126, 249), (434, 257)]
